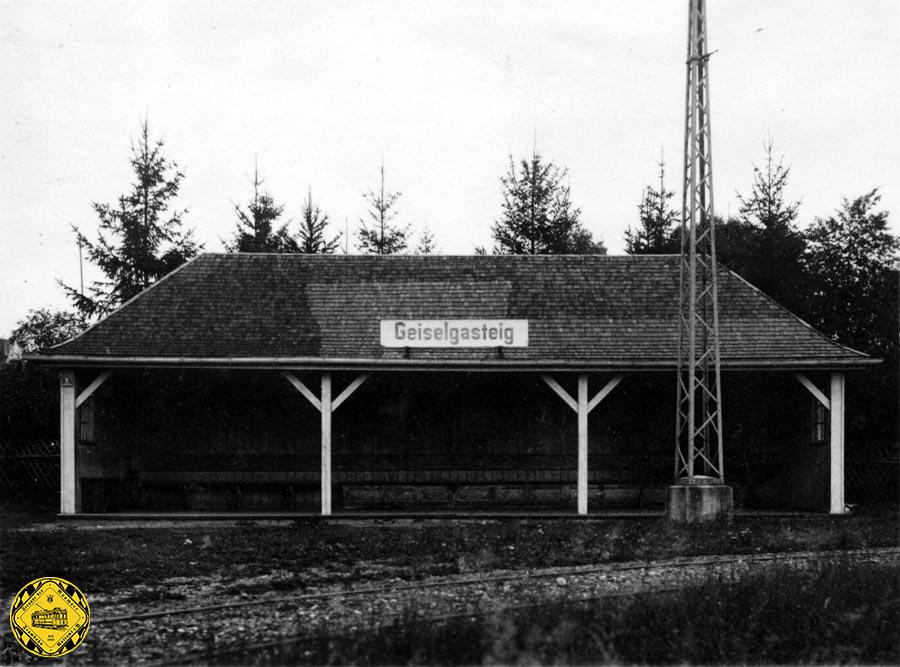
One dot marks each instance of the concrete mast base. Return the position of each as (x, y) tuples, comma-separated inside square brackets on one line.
[(698, 503)]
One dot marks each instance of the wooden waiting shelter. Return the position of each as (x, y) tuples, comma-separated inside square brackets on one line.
[(261, 382)]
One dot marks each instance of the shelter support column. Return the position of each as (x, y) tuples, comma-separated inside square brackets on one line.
[(69, 402), (582, 407), (326, 407), (582, 444), (834, 403), (836, 503), (326, 443), (68, 492)]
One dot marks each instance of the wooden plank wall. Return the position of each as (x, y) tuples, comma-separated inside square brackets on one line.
[(433, 429), (425, 427)]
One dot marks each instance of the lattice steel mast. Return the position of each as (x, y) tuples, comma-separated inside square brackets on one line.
[(698, 430)]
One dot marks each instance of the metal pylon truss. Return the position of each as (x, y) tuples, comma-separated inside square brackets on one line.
[(698, 431)]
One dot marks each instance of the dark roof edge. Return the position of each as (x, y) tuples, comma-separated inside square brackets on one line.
[(623, 255), (322, 363), (794, 315), (135, 297)]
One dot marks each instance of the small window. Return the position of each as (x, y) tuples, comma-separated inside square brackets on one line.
[(819, 421), (86, 420)]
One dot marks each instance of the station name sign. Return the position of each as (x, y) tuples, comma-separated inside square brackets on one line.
[(454, 333)]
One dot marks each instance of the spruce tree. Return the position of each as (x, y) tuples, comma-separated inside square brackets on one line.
[(311, 237), (379, 235), (773, 259), (657, 232), (139, 238), (256, 227), (766, 207), (538, 215), (426, 245)]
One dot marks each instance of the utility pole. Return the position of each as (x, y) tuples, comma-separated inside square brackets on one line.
[(80, 266), (699, 492)]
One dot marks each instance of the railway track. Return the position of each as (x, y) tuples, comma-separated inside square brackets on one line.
[(248, 626), (518, 575)]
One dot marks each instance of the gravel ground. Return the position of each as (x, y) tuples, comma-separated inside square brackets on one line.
[(281, 616)]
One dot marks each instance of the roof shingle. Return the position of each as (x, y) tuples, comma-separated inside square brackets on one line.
[(615, 310)]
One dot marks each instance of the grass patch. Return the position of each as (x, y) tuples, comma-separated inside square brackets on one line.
[(841, 613), (102, 560)]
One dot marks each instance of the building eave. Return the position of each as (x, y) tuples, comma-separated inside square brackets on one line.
[(424, 365)]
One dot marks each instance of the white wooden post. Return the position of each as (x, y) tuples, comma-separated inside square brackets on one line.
[(68, 500), (582, 444), (91, 388), (325, 399), (326, 406), (582, 407), (837, 444), (814, 390)]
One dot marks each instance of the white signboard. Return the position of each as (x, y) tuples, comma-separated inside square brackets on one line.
[(454, 333)]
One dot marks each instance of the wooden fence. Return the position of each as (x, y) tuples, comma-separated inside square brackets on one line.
[(29, 473)]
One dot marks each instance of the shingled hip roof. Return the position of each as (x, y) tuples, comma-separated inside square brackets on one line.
[(583, 311)]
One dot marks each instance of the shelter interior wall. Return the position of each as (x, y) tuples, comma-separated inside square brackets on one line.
[(771, 448), (161, 429)]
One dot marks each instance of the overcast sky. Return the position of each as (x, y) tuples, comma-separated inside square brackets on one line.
[(444, 92)]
